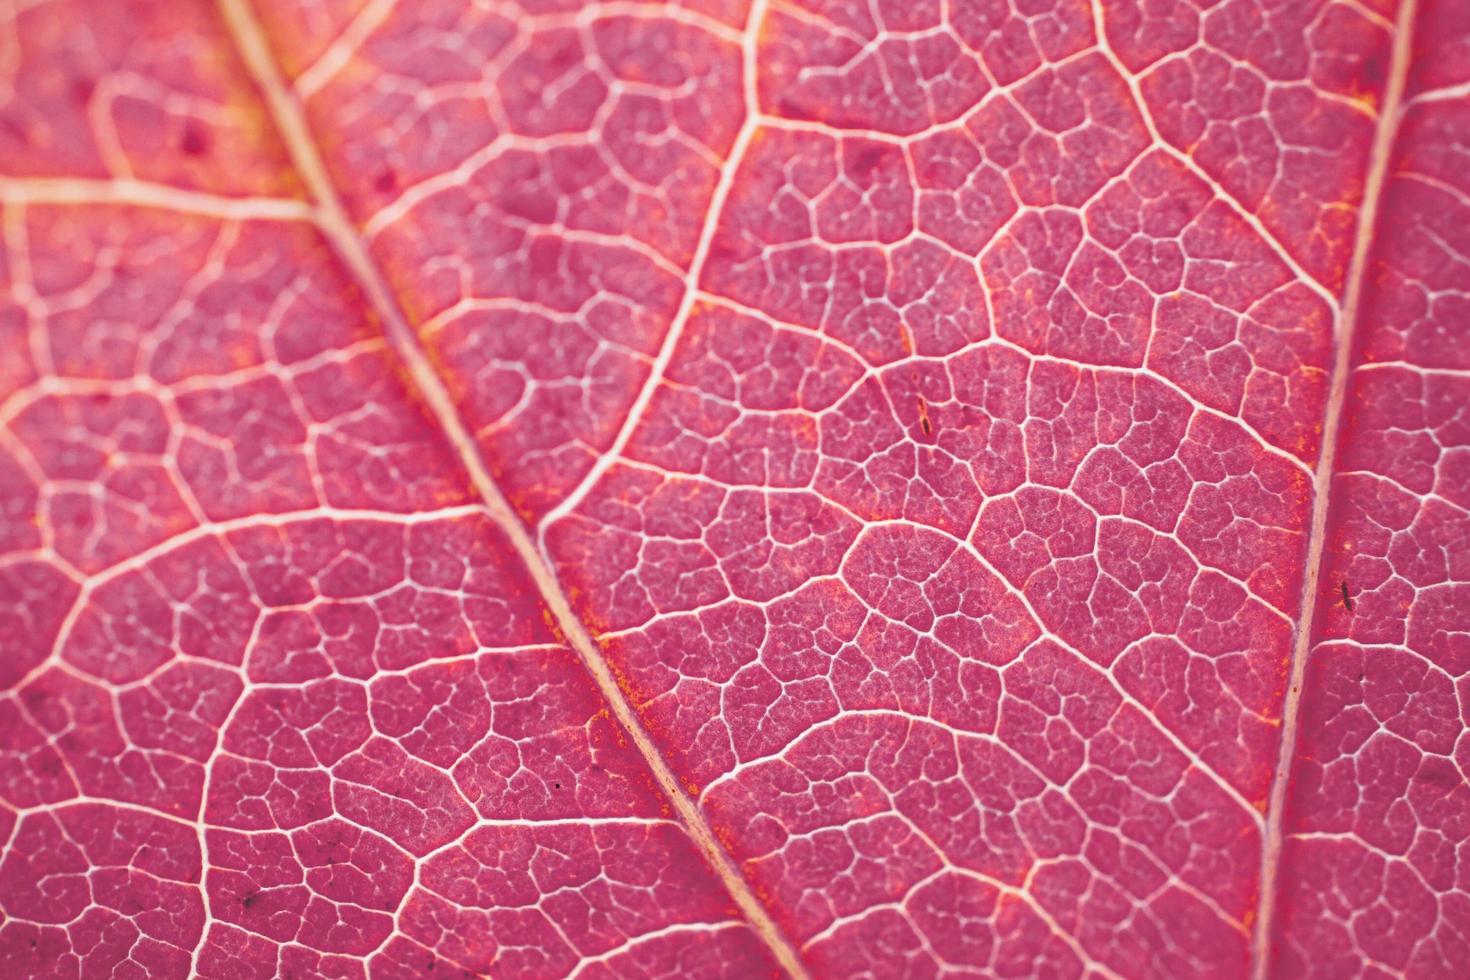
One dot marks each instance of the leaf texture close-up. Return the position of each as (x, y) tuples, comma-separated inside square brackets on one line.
[(706, 488)]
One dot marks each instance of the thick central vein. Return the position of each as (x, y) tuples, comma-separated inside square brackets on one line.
[(1350, 313), (344, 237)]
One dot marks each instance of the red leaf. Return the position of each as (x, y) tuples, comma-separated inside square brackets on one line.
[(708, 489)]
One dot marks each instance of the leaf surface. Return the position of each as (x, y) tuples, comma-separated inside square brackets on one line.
[(699, 489)]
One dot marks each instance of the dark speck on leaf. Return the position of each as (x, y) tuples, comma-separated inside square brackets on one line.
[(249, 900), (792, 108), (1373, 70), (863, 162), (194, 142)]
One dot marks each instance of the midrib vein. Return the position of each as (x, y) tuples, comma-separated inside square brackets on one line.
[(341, 232), (1349, 313)]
